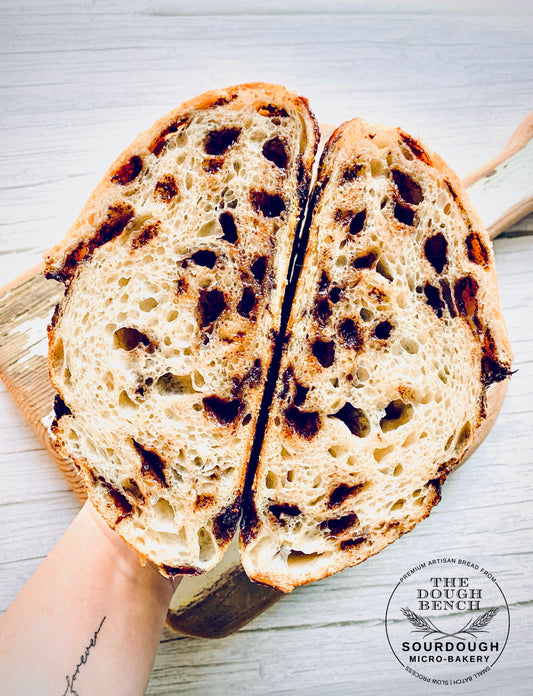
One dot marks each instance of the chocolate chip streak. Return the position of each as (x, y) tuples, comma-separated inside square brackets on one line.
[(117, 218)]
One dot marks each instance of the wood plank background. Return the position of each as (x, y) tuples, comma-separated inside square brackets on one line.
[(79, 80)]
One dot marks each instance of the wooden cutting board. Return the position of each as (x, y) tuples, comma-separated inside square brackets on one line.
[(222, 600)]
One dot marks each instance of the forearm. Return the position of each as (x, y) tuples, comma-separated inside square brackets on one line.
[(88, 621)]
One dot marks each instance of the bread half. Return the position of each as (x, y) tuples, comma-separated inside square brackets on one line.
[(175, 273), (395, 337)]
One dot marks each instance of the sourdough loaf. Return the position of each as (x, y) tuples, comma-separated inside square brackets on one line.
[(394, 342), (174, 278)]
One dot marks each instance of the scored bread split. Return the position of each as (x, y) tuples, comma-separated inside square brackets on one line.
[(175, 273), (394, 345)]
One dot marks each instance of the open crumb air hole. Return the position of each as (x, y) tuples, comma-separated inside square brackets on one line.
[(129, 338), (175, 384), (397, 413), (299, 558)]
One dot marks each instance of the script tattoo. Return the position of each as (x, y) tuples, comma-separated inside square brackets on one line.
[(83, 659)]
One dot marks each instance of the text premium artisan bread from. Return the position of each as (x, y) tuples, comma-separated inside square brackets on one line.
[(175, 276)]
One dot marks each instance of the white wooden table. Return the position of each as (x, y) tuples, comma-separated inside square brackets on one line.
[(78, 81)]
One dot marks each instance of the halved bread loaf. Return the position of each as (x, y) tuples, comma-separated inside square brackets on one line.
[(394, 338), (175, 274)]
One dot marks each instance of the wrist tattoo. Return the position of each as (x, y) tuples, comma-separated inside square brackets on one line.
[(69, 689)]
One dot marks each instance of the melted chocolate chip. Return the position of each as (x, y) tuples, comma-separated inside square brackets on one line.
[(213, 165), (166, 188), (354, 418), (204, 257), (351, 543), (157, 145), (152, 466), (211, 304), (404, 214), (250, 380), (341, 493), (172, 572), (335, 295), (306, 424), (323, 283), (434, 299), (451, 190), (323, 311), (493, 371), (271, 110), (258, 268), (247, 418), (55, 316), (148, 232), (131, 488), (147, 383), (128, 171), (217, 142), (301, 394), (350, 334), (224, 100), (246, 303), (343, 215), (447, 295), (357, 222), (225, 522), (60, 408), (62, 276), (324, 352), (339, 525), (303, 177), (254, 374), (286, 377), (366, 261), (181, 286), (284, 509), (351, 173), (250, 521), (274, 150), (415, 148), (436, 485), (117, 217), (383, 330), (410, 191), (224, 410), (435, 250), (269, 204), (203, 501), (228, 227), (477, 253), (119, 499), (464, 291)]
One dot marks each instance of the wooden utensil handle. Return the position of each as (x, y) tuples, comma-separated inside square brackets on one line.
[(502, 190)]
